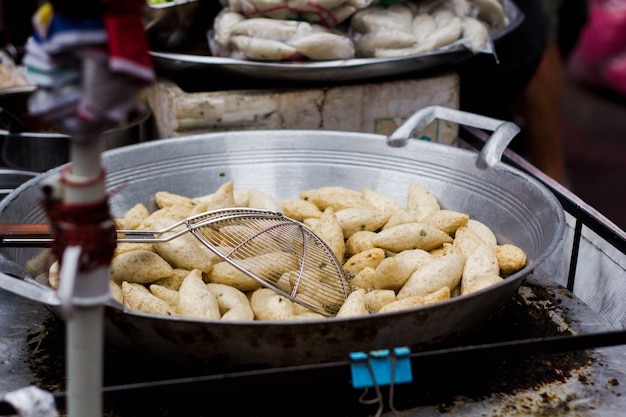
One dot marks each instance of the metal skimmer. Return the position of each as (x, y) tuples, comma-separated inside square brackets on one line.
[(278, 252)]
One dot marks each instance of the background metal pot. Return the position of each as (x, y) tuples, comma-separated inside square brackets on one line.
[(10, 179), (39, 147), (282, 163)]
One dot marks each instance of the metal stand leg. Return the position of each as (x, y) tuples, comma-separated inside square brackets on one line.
[(84, 370)]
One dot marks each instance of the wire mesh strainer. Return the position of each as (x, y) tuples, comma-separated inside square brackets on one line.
[(278, 252)]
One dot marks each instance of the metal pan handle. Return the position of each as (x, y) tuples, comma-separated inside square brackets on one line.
[(491, 153)]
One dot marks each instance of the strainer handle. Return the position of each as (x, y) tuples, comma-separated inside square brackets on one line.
[(491, 153)]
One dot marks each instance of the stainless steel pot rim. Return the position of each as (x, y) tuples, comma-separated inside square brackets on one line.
[(10, 171)]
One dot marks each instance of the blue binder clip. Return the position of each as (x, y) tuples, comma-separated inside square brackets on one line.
[(381, 367)]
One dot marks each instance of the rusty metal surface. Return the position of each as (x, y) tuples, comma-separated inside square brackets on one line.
[(568, 383), (18, 318)]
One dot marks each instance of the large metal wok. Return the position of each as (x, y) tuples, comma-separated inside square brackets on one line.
[(282, 163)]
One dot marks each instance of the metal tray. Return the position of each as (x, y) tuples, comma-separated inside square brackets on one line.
[(336, 70)]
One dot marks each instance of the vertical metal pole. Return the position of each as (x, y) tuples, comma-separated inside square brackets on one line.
[(84, 364), (110, 80), (85, 326)]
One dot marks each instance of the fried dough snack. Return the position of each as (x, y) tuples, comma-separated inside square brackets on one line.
[(394, 256)]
